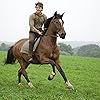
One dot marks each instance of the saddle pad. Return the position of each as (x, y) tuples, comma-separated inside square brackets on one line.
[(25, 47)]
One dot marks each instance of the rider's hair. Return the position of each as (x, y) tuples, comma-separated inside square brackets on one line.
[(40, 4)]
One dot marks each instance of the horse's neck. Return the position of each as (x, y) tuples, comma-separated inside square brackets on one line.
[(51, 36)]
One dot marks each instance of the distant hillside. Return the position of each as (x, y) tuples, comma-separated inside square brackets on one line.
[(9, 43), (75, 44)]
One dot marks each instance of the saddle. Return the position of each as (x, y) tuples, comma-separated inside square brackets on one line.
[(25, 47)]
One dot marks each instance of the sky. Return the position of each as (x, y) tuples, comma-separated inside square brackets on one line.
[(81, 18)]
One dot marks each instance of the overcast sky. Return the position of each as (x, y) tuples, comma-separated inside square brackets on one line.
[(81, 18)]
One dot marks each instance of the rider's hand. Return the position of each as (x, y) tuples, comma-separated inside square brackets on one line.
[(40, 33)]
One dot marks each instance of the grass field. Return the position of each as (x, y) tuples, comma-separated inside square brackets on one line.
[(83, 73)]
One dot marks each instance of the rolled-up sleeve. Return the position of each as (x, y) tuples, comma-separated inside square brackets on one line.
[(45, 17)]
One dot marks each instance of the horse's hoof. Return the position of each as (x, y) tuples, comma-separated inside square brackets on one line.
[(50, 77), (30, 84), (19, 84), (69, 86)]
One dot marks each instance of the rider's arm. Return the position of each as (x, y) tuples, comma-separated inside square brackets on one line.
[(45, 17)]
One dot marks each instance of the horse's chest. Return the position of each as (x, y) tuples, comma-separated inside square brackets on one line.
[(51, 54)]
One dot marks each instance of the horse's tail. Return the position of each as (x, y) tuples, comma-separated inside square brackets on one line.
[(10, 57)]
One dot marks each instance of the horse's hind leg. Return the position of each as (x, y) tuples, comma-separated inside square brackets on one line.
[(22, 71), (51, 76), (19, 76)]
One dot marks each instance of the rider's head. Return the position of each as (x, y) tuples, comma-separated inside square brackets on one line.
[(40, 4), (39, 7)]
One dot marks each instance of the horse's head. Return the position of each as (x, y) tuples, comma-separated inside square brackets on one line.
[(56, 24)]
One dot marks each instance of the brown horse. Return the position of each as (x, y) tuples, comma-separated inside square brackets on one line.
[(47, 51)]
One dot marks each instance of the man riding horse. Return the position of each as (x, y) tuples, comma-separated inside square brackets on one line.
[(36, 21), (46, 53)]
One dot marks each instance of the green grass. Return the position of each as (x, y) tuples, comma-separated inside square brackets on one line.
[(83, 73)]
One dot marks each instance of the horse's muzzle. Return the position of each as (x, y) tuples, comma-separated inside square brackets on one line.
[(62, 35)]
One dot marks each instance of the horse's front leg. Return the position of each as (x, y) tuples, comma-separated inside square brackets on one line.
[(51, 76), (69, 85)]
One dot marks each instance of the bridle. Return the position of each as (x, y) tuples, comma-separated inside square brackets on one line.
[(54, 36), (52, 19)]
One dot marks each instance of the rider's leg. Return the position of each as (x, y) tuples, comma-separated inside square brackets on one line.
[(31, 43)]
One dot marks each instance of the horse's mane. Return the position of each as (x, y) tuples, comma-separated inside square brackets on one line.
[(46, 24)]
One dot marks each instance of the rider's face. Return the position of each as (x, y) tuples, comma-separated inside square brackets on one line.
[(38, 9)]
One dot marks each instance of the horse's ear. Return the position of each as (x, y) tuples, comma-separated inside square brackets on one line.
[(55, 14), (62, 15)]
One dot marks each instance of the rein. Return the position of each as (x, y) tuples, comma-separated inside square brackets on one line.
[(55, 36)]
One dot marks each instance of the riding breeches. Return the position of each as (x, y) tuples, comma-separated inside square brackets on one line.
[(32, 39)]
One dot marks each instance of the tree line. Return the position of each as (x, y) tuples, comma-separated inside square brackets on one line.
[(90, 50), (4, 47)]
